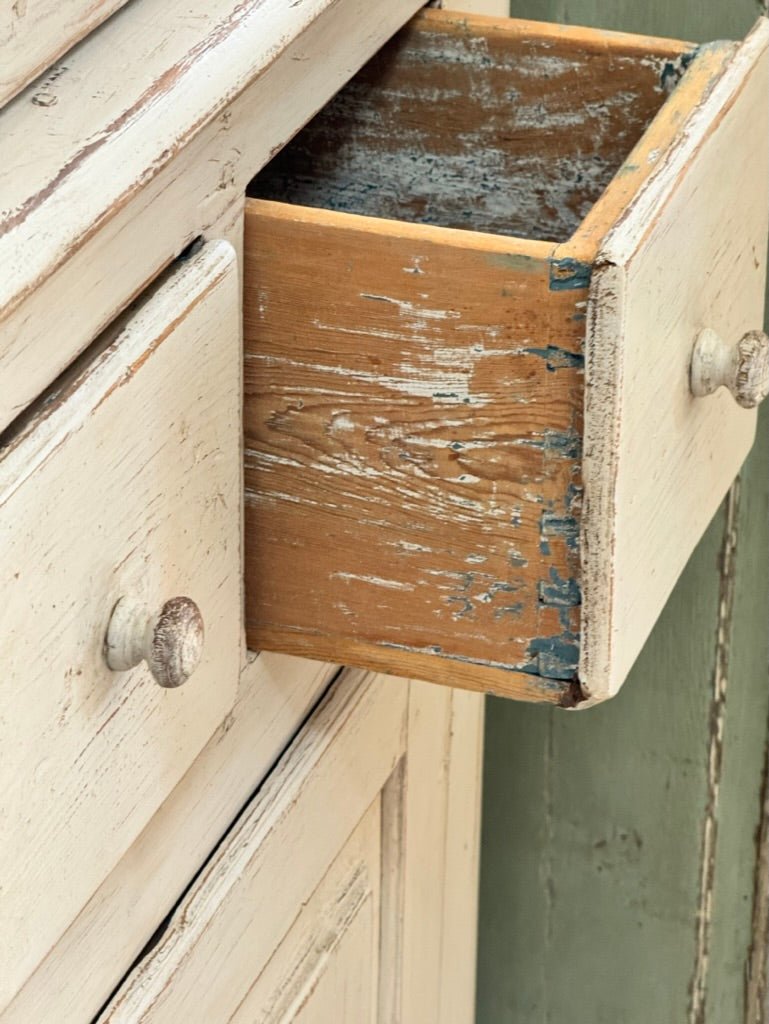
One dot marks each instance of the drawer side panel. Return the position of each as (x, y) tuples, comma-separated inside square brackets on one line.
[(413, 423)]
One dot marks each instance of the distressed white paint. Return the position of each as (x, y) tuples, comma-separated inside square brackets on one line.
[(688, 253), (117, 188), (127, 481), (387, 854), (326, 967), (153, 136), (33, 33), (276, 692), (228, 927)]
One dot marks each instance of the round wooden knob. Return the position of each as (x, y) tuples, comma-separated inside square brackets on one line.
[(171, 642), (742, 368)]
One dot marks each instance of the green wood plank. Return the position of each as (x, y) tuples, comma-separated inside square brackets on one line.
[(747, 707), (698, 20), (596, 825)]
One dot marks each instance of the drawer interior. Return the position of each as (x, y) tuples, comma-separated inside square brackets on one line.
[(501, 126)]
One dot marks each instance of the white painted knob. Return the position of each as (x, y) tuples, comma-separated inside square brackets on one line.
[(171, 642), (742, 368)]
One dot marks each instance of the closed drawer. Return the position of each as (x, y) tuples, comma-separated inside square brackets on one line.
[(474, 287), (122, 488)]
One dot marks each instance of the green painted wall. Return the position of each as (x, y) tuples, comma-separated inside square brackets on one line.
[(619, 845)]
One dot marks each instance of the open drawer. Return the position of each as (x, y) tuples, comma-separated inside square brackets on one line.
[(474, 284)]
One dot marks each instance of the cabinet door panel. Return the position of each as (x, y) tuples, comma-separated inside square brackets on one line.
[(347, 890), (237, 914), (326, 967)]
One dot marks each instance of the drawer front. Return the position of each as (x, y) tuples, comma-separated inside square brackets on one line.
[(122, 486)]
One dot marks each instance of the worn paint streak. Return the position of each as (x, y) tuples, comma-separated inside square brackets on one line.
[(703, 925), (539, 126), (568, 274), (556, 657), (556, 357)]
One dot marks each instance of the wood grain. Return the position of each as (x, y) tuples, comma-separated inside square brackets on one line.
[(412, 447), (482, 123), (421, 412)]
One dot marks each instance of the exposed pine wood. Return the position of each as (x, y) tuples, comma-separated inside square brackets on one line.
[(90, 754), (421, 412), (482, 123)]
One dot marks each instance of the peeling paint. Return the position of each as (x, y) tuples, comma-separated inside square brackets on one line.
[(566, 527), (569, 274), (556, 657), (559, 591), (557, 358)]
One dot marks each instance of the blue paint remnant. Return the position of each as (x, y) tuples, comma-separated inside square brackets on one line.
[(560, 592), (566, 444), (557, 358), (466, 609), (565, 527), (508, 609), (547, 685), (503, 588), (515, 517), (544, 546), (517, 561), (456, 446), (673, 70), (569, 274), (556, 657), (579, 317)]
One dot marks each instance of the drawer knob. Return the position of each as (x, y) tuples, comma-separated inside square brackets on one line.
[(742, 368), (171, 641)]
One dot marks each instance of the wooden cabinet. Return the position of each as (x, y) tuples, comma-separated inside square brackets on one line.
[(264, 840), (198, 831), (347, 885)]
